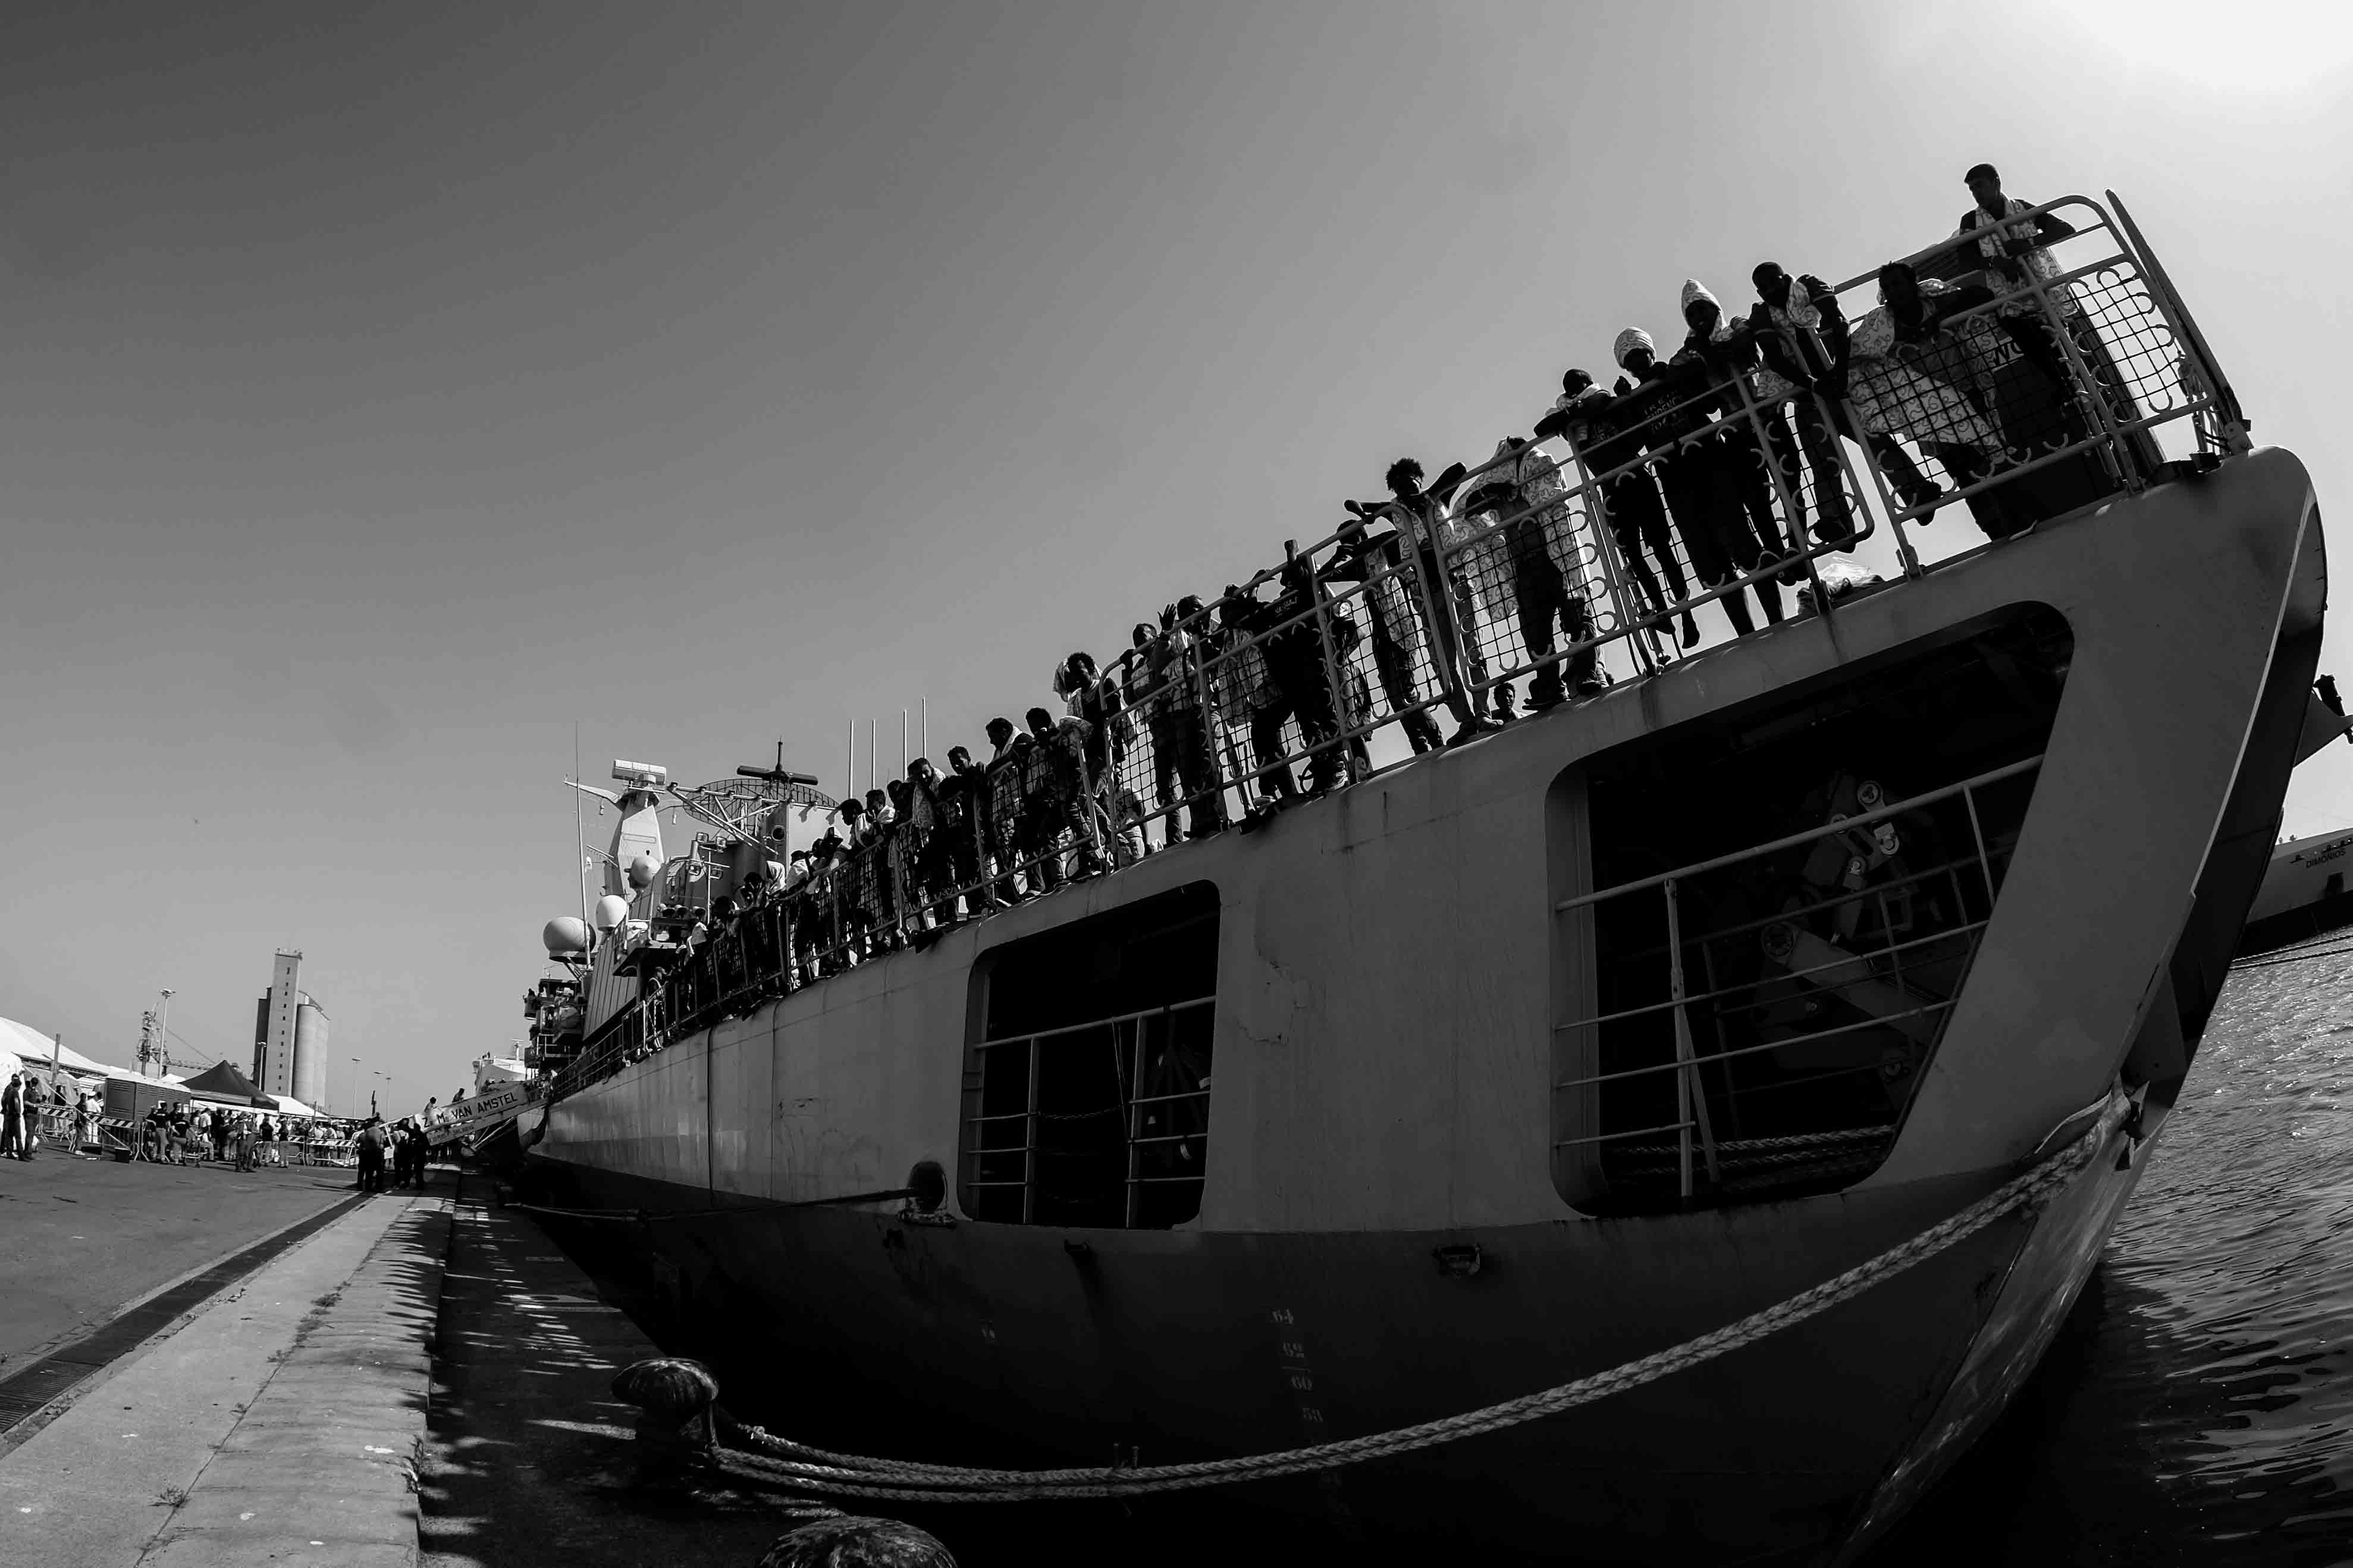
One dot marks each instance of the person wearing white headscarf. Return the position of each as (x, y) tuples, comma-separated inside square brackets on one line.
[(1610, 451), (1671, 407)]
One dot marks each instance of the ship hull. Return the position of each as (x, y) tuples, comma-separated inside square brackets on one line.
[(851, 1329), (1370, 1113)]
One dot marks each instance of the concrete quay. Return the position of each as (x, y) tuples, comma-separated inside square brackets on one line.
[(279, 1423), (423, 1378)]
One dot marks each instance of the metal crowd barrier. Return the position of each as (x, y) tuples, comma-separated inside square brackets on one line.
[(1569, 558)]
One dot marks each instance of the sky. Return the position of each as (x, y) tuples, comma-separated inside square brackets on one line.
[(391, 389)]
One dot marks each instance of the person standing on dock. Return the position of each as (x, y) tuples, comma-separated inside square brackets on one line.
[(13, 1138)]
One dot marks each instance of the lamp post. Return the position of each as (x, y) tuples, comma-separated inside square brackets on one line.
[(356, 1086), (163, 1033)]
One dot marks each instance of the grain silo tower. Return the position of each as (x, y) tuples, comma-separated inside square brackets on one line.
[(309, 1052)]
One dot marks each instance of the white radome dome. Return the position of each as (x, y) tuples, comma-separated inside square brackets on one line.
[(564, 934), (642, 872), (611, 910)]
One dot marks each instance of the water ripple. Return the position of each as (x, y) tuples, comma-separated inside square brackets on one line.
[(2197, 1409)]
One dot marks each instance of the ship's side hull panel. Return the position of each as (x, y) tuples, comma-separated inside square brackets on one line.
[(1015, 1345)]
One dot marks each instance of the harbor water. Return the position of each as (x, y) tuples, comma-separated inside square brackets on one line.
[(2198, 1408)]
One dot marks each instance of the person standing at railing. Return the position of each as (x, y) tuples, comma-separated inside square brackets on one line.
[(882, 869), (1097, 701), (929, 875), (1749, 403), (1003, 806), (2016, 250), (2015, 247), (1038, 832), (963, 828), (1239, 686), (1671, 406), (1181, 755), (1890, 385), (1297, 624), (1376, 561), (1803, 335), (1637, 516), (1522, 487), (1071, 801), (1447, 598), (1274, 653)]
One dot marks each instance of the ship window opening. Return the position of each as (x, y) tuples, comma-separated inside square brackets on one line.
[(1765, 919), (1087, 1084)]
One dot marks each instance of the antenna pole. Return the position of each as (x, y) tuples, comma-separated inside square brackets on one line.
[(579, 839), (869, 753), (902, 743), (850, 764), (927, 729)]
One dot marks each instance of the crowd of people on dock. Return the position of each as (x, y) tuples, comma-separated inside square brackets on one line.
[(176, 1130), (1705, 469)]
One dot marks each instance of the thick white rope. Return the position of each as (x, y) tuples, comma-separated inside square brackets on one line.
[(850, 1475)]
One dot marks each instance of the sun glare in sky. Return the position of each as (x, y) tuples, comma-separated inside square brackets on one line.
[(2248, 45)]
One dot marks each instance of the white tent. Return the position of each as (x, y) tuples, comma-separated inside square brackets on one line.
[(35, 1049), (290, 1106)]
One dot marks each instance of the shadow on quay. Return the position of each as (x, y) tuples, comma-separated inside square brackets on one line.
[(529, 1458)]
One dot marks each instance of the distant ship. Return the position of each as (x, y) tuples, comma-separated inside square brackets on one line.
[(2303, 893), (1535, 1054)]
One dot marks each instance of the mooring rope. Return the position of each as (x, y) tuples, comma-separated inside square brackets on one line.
[(852, 1475), (2272, 960)]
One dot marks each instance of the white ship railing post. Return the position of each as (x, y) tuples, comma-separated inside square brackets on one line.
[(1691, 1096), (1332, 678), (1634, 628), (1792, 497), (1030, 1141)]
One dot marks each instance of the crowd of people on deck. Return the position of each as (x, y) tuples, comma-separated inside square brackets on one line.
[(1708, 464), (178, 1129)]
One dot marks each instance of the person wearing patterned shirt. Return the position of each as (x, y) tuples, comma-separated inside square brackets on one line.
[(1452, 606), (1520, 490)]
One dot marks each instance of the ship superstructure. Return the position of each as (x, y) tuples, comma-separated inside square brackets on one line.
[(1529, 1056)]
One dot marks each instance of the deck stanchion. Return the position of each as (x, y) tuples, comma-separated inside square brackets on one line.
[(1691, 1095)]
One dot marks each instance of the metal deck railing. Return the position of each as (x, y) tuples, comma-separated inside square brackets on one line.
[(1578, 556)]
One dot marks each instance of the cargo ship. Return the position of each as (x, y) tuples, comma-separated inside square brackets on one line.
[(1462, 1073)]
